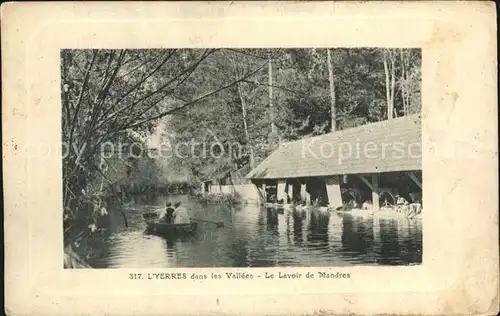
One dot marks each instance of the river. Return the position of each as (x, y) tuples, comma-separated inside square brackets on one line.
[(253, 236)]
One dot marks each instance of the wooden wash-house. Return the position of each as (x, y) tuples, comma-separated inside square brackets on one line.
[(373, 162)]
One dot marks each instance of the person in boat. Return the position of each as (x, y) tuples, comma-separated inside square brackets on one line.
[(170, 213), (180, 215), (166, 213)]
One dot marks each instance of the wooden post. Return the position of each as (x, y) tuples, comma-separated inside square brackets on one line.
[(333, 190), (264, 195), (288, 191), (304, 195), (375, 193), (295, 190), (281, 190)]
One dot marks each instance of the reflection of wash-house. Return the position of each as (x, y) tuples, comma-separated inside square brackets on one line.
[(373, 162)]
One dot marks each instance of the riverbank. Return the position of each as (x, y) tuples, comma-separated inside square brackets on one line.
[(383, 212)]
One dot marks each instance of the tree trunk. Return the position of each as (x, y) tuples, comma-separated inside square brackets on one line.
[(245, 126), (244, 114), (408, 81), (271, 106), (393, 81), (403, 83), (387, 88), (332, 91)]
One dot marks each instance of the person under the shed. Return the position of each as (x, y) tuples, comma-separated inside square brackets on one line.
[(401, 204), (180, 215)]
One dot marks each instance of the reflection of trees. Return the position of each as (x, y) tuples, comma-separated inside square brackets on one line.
[(298, 223), (264, 247), (284, 229), (239, 252), (335, 228), (243, 235), (100, 245), (389, 242), (272, 219), (287, 226), (318, 229), (411, 244), (357, 236), (100, 253)]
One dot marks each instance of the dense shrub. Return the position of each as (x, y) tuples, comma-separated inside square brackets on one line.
[(218, 198)]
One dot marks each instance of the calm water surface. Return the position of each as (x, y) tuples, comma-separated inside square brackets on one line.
[(255, 237)]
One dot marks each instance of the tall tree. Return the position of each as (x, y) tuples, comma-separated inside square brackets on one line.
[(332, 91), (409, 81), (389, 60), (244, 114), (271, 106)]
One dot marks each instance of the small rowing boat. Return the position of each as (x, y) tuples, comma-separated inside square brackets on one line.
[(155, 226)]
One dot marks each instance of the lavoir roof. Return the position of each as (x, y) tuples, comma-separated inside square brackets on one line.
[(385, 146)]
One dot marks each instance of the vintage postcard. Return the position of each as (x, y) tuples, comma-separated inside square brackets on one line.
[(250, 158)]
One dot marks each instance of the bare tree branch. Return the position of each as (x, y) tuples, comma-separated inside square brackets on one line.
[(248, 75), (159, 90), (79, 102)]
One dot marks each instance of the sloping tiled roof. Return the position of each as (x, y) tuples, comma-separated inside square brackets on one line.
[(384, 146)]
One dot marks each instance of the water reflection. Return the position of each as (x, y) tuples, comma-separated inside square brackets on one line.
[(318, 229), (298, 224), (272, 218), (389, 247), (255, 237)]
